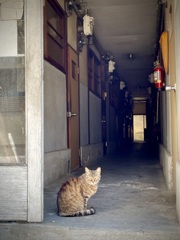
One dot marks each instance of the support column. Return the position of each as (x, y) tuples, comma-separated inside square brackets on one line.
[(34, 107)]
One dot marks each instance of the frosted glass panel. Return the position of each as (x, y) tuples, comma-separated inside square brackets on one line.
[(12, 92), (12, 111)]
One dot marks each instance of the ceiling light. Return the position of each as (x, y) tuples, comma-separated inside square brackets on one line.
[(130, 56)]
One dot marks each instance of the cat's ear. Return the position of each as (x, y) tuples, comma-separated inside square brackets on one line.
[(98, 170), (87, 170)]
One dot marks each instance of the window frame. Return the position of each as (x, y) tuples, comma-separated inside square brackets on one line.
[(94, 73), (63, 35)]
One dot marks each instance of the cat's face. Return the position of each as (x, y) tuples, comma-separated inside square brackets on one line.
[(93, 176)]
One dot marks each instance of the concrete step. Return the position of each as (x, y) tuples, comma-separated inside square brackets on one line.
[(17, 231)]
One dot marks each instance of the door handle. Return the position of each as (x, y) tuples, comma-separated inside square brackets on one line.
[(70, 114)]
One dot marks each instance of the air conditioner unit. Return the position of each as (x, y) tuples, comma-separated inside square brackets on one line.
[(88, 23)]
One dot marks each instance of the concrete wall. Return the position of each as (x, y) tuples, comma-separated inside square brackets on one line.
[(55, 124), (177, 60), (167, 164)]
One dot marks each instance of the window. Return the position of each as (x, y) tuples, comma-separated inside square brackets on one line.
[(94, 74), (55, 34), (12, 87)]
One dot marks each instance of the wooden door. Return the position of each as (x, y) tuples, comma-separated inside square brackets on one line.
[(73, 108)]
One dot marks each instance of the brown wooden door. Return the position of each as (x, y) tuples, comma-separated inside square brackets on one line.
[(73, 108)]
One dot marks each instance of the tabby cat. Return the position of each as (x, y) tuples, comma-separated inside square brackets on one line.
[(74, 194)]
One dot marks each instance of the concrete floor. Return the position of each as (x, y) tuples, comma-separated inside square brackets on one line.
[(132, 202)]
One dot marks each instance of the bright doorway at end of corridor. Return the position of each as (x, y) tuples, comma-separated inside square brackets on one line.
[(139, 124)]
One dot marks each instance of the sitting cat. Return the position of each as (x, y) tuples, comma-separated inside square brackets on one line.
[(74, 194)]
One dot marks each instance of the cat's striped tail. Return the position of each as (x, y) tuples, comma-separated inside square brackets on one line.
[(87, 212)]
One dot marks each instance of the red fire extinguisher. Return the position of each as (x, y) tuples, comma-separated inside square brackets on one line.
[(159, 82)]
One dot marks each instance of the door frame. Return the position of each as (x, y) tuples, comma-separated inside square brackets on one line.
[(70, 119)]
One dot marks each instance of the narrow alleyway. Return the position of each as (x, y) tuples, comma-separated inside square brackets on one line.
[(132, 202)]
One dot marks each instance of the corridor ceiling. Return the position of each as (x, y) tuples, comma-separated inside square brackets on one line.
[(125, 27)]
